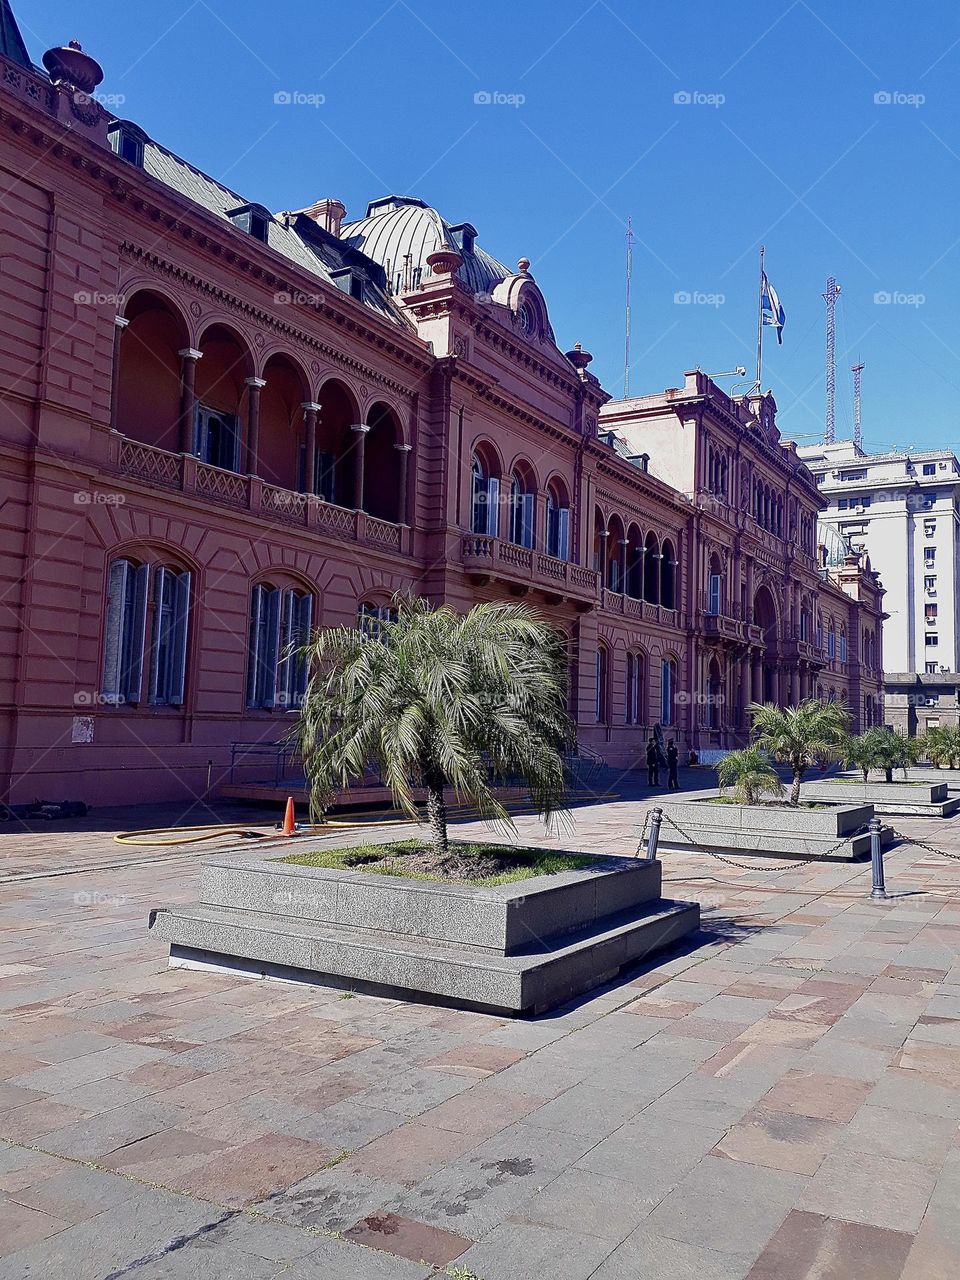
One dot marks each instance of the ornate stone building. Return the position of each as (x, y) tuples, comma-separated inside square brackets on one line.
[(223, 426)]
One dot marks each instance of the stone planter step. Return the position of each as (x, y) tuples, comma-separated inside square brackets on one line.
[(926, 799), (530, 981), (769, 832)]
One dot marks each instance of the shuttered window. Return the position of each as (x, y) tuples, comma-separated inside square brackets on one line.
[(133, 642), (280, 625)]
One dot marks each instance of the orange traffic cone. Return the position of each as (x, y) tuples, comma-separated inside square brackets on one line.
[(289, 822)]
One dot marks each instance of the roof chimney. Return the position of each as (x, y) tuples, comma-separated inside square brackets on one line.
[(328, 214)]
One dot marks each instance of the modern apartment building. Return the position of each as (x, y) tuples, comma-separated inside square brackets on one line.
[(901, 510)]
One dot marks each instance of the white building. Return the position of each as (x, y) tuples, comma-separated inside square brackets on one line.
[(902, 510)]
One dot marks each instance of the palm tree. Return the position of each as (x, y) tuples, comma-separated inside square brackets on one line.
[(857, 754), (438, 699), (800, 736), (750, 774), (934, 745), (887, 750)]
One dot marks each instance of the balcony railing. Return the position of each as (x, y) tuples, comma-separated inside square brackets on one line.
[(185, 473), (528, 566)]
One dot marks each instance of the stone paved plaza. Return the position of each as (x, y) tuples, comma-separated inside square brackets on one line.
[(780, 1100)]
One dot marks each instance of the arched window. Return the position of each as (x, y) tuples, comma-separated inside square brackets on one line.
[(651, 569), (636, 706), (668, 691), (280, 624), (668, 575), (558, 521), (522, 509), (715, 587), (147, 616), (602, 671), (371, 617), (485, 497)]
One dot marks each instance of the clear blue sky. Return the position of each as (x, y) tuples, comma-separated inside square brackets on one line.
[(799, 155)]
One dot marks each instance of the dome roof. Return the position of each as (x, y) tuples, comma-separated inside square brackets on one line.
[(400, 232)]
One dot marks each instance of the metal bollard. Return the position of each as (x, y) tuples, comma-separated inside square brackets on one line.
[(876, 860), (653, 835)]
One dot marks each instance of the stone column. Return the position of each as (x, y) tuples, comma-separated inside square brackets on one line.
[(120, 324), (775, 684), (794, 685), (359, 452), (188, 396), (757, 677), (254, 387), (403, 500), (310, 412)]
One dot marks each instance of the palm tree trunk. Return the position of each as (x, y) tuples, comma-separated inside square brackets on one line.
[(888, 773), (795, 789), (437, 818)]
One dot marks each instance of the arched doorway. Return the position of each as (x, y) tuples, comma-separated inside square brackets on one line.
[(382, 463), (766, 618)]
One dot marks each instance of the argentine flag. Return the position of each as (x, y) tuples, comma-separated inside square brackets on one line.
[(771, 309)]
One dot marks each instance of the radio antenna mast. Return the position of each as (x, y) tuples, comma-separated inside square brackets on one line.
[(626, 344), (857, 426), (830, 298)]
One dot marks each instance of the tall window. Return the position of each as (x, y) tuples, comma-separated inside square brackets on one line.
[(168, 648), (713, 594), (601, 707), (831, 643), (668, 674), (134, 612), (216, 439), (636, 683), (280, 622), (522, 508), (558, 523), (843, 647), (486, 499)]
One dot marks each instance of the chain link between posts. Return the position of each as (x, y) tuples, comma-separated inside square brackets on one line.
[(923, 844), (750, 866)]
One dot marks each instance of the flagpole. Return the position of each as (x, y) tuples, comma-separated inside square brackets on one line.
[(760, 325)]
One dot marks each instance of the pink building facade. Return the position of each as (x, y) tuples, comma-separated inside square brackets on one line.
[(222, 427)]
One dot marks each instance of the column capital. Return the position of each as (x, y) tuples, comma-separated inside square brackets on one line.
[(360, 427), (403, 448), (310, 406), (121, 321), (255, 382), (190, 353)]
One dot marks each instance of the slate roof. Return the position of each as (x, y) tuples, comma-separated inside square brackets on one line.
[(11, 41), (400, 232)]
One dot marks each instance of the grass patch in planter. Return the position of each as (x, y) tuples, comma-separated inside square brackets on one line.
[(765, 804), (466, 863)]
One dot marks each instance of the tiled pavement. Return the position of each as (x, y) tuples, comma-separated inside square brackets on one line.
[(780, 1101)]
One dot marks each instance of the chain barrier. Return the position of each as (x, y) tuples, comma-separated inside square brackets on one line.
[(922, 844), (749, 866)]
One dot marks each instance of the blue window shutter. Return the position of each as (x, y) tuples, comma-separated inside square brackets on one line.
[(114, 628), (493, 506), (527, 516), (254, 656), (271, 654), (563, 533), (131, 679), (178, 646)]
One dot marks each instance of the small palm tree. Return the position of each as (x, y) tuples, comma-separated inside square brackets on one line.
[(800, 736), (887, 750), (934, 745), (750, 774), (439, 699), (857, 754)]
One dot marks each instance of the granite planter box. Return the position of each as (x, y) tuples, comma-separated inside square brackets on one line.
[(522, 947), (769, 830), (927, 773), (929, 799)]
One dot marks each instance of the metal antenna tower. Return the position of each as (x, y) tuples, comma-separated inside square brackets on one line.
[(626, 343), (830, 298), (857, 428)]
